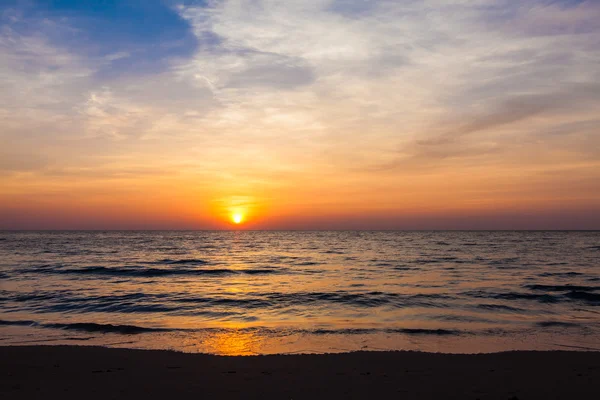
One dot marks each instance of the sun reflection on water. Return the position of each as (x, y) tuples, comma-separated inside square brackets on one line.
[(234, 343)]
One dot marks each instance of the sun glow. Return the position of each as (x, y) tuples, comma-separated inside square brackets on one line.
[(235, 210), (237, 218)]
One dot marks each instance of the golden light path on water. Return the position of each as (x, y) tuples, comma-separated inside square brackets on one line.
[(234, 343)]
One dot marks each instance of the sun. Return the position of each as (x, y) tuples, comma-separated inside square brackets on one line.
[(237, 218)]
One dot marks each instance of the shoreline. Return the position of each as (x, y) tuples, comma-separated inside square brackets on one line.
[(91, 372)]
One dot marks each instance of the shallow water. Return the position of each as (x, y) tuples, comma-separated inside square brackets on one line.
[(284, 292)]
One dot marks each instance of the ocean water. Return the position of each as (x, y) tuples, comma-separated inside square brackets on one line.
[(244, 292)]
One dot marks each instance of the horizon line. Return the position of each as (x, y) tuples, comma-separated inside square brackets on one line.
[(300, 230)]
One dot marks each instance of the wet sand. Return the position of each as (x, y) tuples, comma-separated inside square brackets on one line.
[(70, 372)]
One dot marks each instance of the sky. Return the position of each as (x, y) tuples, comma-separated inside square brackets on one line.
[(300, 114)]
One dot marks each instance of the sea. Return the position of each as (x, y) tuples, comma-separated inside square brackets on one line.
[(265, 292)]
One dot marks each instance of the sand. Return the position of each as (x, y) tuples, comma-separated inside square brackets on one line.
[(70, 372)]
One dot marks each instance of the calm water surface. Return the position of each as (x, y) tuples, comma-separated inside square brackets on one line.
[(286, 292)]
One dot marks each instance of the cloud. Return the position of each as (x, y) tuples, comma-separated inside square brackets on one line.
[(556, 18), (272, 74), (475, 137), (11, 162), (574, 98)]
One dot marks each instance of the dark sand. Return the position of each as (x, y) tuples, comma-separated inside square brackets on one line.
[(63, 372)]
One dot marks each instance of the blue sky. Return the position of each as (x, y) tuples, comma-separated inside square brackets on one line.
[(142, 36)]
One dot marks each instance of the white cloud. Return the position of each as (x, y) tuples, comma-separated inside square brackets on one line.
[(391, 72)]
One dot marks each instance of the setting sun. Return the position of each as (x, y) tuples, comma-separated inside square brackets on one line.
[(237, 218)]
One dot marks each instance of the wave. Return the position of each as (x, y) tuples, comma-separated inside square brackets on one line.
[(86, 327), (126, 329), (436, 260), (105, 328), (504, 261), (543, 298), (186, 304), (550, 324), (17, 323), (365, 331), (92, 327), (593, 298), (559, 274), (246, 303), (282, 300), (570, 294), (498, 307), (404, 268), (195, 261), (349, 331), (154, 272), (562, 288), (24, 297), (368, 299), (415, 331)]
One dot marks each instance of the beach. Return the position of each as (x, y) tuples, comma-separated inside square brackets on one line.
[(70, 372)]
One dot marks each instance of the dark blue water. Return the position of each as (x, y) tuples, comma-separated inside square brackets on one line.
[(266, 292)]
